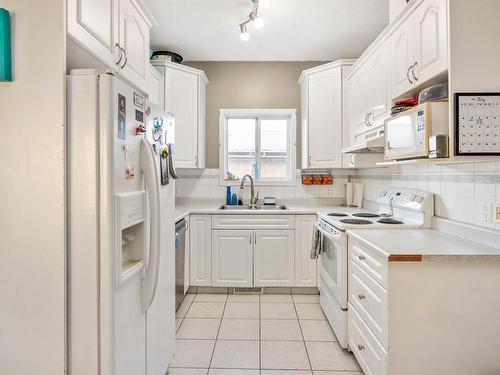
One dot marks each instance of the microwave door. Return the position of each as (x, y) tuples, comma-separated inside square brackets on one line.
[(400, 138)]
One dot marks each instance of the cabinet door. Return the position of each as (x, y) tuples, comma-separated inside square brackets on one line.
[(363, 96), (304, 124), (187, 258), (325, 119), (274, 258), (232, 260), (379, 85), (402, 58), (134, 39), (93, 25), (431, 53), (202, 109), (181, 99), (200, 254), (305, 267), (155, 86)]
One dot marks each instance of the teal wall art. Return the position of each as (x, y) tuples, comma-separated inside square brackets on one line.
[(5, 51)]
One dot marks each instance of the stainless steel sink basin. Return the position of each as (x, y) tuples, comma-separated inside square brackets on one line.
[(254, 208)]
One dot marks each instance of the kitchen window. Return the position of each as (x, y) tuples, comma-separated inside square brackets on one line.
[(260, 143)]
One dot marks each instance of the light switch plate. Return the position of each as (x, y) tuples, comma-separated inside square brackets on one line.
[(486, 213)]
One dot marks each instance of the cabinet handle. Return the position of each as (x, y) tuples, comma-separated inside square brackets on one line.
[(366, 119), (362, 257), (361, 347), (196, 160), (351, 159), (309, 161), (121, 54), (413, 71), (361, 297), (250, 239), (408, 74), (255, 239), (370, 124), (126, 58)]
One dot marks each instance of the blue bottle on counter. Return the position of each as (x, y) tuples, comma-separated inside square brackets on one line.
[(234, 200), (228, 195)]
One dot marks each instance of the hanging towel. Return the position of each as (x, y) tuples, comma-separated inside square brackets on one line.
[(317, 242)]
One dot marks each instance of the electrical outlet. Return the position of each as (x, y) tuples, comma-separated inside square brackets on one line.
[(486, 213)]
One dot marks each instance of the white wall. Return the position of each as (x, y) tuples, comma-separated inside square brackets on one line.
[(32, 241)]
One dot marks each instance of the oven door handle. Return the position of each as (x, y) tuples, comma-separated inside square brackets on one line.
[(332, 236)]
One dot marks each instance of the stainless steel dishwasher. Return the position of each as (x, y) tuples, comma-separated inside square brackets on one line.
[(180, 255)]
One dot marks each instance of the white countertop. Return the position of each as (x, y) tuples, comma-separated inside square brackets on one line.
[(394, 243), (186, 206)]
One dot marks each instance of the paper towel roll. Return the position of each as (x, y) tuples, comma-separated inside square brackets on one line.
[(349, 194), (360, 191)]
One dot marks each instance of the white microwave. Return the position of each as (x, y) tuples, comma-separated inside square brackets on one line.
[(407, 134)]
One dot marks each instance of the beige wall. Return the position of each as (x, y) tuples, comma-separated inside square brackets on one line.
[(32, 235), (249, 85)]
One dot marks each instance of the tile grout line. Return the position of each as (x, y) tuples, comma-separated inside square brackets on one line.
[(184, 317), (217, 336), (260, 340), (302, 334)]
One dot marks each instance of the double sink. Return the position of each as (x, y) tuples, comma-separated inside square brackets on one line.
[(276, 207)]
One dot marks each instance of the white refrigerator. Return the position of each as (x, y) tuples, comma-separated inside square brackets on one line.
[(121, 276)]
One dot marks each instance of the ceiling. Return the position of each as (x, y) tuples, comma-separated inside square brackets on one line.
[(295, 30)]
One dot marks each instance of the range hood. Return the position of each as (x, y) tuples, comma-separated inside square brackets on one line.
[(371, 142)]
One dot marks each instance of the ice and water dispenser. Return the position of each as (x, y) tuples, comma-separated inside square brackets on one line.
[(130, 234)]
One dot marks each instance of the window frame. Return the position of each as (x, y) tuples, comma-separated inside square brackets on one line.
[(259, 114)]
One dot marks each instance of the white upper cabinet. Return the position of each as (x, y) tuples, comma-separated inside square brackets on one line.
[(380, 101), (93, 24), (155, 86), (419, 47), (322, 113), (184, 97), (134, 40), (431, 51), (232, 258), (402, 59), (116, 32)]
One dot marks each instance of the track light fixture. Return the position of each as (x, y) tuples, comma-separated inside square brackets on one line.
[(253, 17)]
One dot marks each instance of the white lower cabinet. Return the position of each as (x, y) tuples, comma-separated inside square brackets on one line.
[(232, 259), (274, 257), (200, 241), (252, 251), (305, 267)]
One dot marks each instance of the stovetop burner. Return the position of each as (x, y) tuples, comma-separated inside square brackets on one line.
[(336, 214), (356, 221), (365, 214), (390, 221)]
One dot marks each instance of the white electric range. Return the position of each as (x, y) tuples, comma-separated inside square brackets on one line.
[(395, 208)]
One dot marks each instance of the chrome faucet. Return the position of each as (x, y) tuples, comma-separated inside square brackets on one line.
[(253, 198), (391, 206)]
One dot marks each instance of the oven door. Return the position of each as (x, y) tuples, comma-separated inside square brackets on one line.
[(333, 265)]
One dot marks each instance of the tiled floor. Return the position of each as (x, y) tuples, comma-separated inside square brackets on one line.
[(268, 334)]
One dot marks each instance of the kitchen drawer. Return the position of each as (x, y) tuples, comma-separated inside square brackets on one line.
[(253, 221), (373, 263), (368, 351), (370, 300)]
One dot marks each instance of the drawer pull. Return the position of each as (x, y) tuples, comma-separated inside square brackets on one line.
[(361, 297), (362, 257), (361, 347)]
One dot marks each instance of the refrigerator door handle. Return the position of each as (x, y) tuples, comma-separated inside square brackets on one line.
[(148, 168), (171, 166)]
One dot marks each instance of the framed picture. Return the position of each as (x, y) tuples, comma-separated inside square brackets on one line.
[(477, 124), (163, 170)]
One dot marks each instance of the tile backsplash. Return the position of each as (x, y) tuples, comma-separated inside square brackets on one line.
[(459, 189), (194, 183)]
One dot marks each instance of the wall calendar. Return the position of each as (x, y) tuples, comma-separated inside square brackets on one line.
[(477, 123)]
